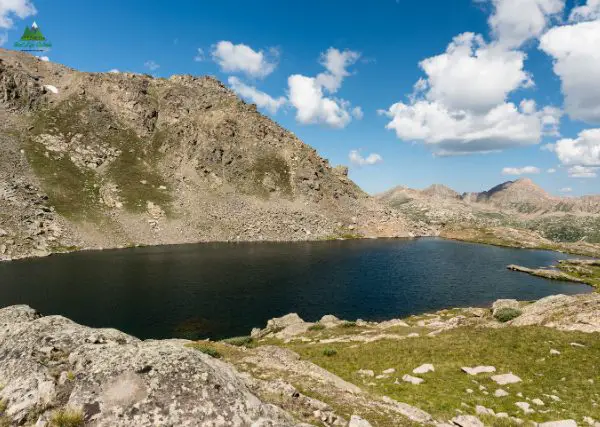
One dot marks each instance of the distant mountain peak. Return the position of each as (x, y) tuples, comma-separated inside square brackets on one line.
[(440, 190)]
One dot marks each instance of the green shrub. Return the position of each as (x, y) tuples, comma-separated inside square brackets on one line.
[(245, 341), (507, 314), (316, 327), (329, 352), (348, 325), (206, 349), (67, 418)]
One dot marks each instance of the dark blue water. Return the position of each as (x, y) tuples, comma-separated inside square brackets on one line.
[(220, 290)]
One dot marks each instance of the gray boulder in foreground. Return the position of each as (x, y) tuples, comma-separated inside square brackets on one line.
[(49, 363)]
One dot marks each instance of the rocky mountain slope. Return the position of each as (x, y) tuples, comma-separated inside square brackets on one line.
[(516, 364), (518, 211), (92, 160)]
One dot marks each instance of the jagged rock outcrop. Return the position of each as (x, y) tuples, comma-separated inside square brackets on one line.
[(152, 160)]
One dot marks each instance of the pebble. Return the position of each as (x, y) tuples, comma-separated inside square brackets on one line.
[(413, 380), (365, 373), (506, 379), (525, 407), (423, 369), (389, 371), (538, 402), (482, 410), (478, 370), (576, 344), (555, 352), (500, 393)]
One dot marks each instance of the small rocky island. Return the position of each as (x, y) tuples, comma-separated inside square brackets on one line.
[(518, 363)]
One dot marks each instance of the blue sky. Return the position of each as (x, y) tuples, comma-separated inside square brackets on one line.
[(457, 129)]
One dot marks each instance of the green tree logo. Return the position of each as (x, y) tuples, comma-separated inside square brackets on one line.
[(33, 33), (33, 40)]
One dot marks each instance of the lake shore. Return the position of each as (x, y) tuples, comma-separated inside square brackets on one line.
[(437, 369), (512, 238)]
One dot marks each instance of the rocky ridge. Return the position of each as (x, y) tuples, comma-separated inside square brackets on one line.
[(515, 213), (121, 159)]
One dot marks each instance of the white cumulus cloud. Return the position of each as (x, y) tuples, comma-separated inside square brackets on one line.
[(513, 22), (261, 99), (312, 107), (336, 63), (576, 55), (527, 170), (240, 58), (307, 94), (583, 172), (357, 113), (450, 132), (566, 190), (461, 106), (588, 11), (9, 9), (357, 159), (473, 75), (581, 151), (551, 170)]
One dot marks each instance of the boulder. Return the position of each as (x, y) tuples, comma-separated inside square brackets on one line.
[(330, 321), (568, 313), (114, 379)]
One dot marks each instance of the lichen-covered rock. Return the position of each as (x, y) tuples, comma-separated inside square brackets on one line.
[(568, 313), (114, 379)]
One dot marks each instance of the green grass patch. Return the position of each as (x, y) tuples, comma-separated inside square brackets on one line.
[(67, 418), (348, 325), (246, 341), (328, 352), (523, 351), (74, 191), (206, 348), (316, 327)]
